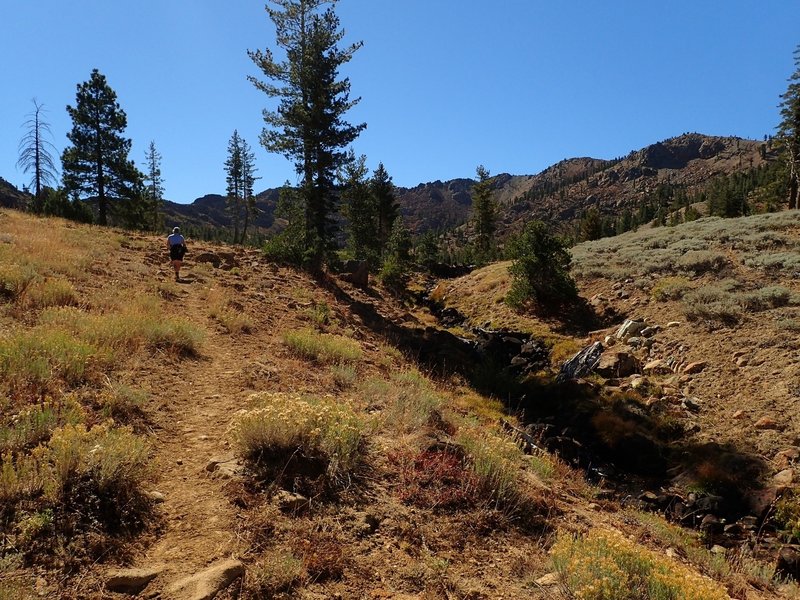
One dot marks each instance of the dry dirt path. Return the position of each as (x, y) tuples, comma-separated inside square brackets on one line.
[(198, 398)]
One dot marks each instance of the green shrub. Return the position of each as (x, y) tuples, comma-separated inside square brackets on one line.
[(713, 305), (540, 268), (52, 292), (671, 288), (702, 261), (34, 424), (35, 357), (15, 280), (497, 463), (765, 298), (322, 347), (344, 376), (277, 572)]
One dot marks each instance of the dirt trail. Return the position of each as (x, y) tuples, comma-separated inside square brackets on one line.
[(198, 399)]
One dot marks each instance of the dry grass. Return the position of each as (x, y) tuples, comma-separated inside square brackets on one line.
[(284, 425), (277, 571), (228, 313)]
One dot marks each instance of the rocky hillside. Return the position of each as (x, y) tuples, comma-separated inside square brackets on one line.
[(10, 196), (563, 191)]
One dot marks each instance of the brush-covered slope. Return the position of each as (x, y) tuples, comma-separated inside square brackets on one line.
[(249, 430)]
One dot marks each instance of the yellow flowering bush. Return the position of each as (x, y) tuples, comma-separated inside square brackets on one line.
[(284, 423), (604, 565)]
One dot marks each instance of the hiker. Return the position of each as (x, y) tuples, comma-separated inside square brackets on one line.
[(177, 248)]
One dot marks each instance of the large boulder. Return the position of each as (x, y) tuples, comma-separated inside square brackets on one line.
[(582, 364)]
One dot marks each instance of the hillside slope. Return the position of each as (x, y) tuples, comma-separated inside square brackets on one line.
[(413, 490)]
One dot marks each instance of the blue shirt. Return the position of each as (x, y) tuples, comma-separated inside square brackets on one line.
[(175, 239)]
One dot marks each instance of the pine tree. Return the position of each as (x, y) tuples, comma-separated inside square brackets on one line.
[(360, 208), (484, 211), (248, 182), (97, 165), (35, 154), (234, 185), (385, 205), (789, 131), (308, 125), (397, 258), (240, 178), (154, 183)]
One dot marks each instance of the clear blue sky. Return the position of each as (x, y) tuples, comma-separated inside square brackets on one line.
[(516, 85)]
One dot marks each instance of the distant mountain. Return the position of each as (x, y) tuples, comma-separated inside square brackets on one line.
[(560, 193)]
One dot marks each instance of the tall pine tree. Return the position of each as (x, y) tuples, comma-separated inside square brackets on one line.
[(308, 126), (154, 183), (789, 131), (97, 165), (233, 182), (385, 205), (358, 205), (484, 211), (240, 169)]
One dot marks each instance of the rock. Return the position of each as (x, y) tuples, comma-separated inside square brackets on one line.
[(356, 272), (711, 524), (788, 563), (639, 382), (629, 329), (617, 363), (739, 414), (742, 361), (208, 257), (206, 584), (766, 423), (635, 341), (227, 467), (672, 324), (548, 580), (582, 364), (761, 501), (784, 478), (717, 549), (657, 367), (156, 497), (787, 457), (131, 581), (691, 404), (694, 367), (290, 502)]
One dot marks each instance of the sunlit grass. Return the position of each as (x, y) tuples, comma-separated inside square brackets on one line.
[(322, 347)]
